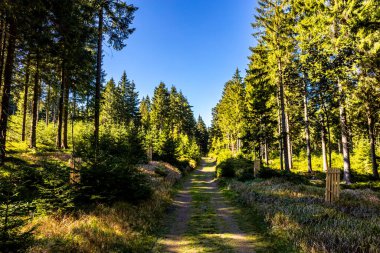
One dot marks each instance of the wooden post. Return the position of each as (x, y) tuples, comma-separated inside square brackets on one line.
[(332, 185), (74, 171)]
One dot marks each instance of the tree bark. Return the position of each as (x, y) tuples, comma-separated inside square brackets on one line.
[(25, 102), (65, 112), (324, 151), (98, 80), (345, 137), (3, 46), (36, 91), (284, 133), (60, 107), (47, 107), (280, 142), (290, 150), (307, 132), (266, 152), (6, 91), (371, 132)]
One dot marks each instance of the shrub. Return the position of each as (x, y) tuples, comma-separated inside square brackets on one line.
[(240, 168), (14, 211), (267, 173), (113, 175)]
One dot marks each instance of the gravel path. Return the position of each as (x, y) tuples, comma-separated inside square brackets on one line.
[(203, 219)]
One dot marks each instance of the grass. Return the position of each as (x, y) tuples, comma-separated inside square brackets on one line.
[(297, 213)]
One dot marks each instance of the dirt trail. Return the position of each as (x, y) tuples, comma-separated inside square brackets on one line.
[(203, 219)]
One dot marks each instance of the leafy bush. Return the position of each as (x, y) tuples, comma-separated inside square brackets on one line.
[(240, 168)]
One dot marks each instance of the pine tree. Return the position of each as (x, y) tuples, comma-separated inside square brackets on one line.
[(202, 135), (114, 19), (109, 103), (259, 111)]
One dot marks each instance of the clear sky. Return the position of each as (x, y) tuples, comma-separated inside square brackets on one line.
[(195, 45)]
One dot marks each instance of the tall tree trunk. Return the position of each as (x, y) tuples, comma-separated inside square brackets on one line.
[(324, 150), (60, 107), (284, 133), (266, 152), (280, 142), (329, 137), (98, 80), (290, 149), (307, 132), (371, 132), (47, 107), (345, 137), (36, 96), (3, 47), (25, 102), (340, 146), (65, 112), (6, 91), (342, 101)]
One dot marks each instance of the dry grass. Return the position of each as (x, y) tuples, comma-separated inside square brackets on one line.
[(298, 213), (122, 227)]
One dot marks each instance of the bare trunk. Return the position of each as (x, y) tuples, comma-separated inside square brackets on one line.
[(6, 89), (340, 146), (25, 102), (290, 150), (47, 107), (36, 96), (280, 142), (324, 151), (307, 132), (98, 80), (65, 112), (266, 152), (345, 143), (329, 138), (3, 47), (371, 127), (284, 133), (60, 107)]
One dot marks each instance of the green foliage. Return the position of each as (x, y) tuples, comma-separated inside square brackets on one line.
[(240, 168), (228, 115), (202, 135), (113, 176), (14, 211), (55, 193), (267, 173)]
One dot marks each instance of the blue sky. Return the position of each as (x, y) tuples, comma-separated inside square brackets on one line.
[(195, 45)]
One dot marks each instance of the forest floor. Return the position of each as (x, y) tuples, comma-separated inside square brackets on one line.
[(203, 219)]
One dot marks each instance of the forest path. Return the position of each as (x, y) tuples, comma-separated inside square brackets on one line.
[(203, 219)]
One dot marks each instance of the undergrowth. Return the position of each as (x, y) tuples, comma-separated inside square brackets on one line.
[(121, 227), (297, 212)]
